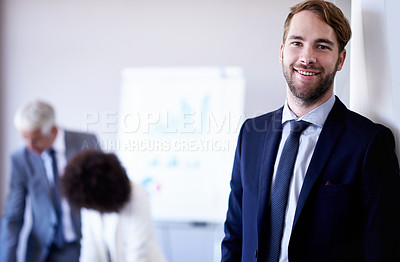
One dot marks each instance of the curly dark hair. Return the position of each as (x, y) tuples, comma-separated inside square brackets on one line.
[(96, 180)]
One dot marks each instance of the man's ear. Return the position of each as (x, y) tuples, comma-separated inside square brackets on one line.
[(54, 131), (342, 57), (281, 54)]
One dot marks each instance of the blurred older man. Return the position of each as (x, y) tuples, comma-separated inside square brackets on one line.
[(35, 169)]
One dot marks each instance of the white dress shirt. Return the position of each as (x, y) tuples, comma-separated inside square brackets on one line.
[(308, 141)]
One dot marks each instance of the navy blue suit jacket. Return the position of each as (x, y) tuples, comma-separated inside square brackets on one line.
[(354, 217)]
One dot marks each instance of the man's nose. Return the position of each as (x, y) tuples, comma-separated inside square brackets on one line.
[(30, 144), (307, 56)]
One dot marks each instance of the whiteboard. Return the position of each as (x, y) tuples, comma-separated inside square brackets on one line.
[(178, 132)]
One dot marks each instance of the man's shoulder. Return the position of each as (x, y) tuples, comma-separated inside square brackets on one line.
[(68, 132), (358, 124), (81, 140), (356, 119), (268, 116), (364, 127), (19, 152), (264, 121)]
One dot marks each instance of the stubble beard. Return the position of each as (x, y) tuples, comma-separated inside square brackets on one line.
[(312, 94)]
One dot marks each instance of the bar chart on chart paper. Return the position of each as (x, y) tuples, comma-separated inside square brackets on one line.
[(178, 133)]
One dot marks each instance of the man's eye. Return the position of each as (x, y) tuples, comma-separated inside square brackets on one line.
[(296, 43), (323, 47)]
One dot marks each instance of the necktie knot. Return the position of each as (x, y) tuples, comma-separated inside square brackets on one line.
[(52, 152), (298, 126)]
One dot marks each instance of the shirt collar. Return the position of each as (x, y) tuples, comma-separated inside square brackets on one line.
[(317, 116), (59, 144)]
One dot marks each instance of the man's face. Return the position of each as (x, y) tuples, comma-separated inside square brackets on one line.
[(38, 142), (310, 58)]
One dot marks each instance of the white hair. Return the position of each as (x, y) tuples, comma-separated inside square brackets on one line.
[(35, 115)]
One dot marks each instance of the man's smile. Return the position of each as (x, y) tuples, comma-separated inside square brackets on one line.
[(306, 72)]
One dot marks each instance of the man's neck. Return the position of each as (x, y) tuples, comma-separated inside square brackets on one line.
[(300, 107)]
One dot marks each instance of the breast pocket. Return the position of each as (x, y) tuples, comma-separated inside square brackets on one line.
[(339, 201), (341, 210), (336, 189)]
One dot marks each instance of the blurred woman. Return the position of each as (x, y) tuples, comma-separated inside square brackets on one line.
[(116, 221)]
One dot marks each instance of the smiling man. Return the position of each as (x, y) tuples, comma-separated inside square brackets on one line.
[(313, 181)]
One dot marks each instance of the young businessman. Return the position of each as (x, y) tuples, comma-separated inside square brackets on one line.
[(313, 181)]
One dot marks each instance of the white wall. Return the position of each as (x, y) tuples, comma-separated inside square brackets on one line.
[(392, 23), (375, 83), (71, 52)]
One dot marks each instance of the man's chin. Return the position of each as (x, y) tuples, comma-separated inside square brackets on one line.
[(35, 151)]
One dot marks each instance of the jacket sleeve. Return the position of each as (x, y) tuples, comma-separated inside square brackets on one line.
[(381, 204), (92, 242), (13, 219), (136, 240), (231, 248)]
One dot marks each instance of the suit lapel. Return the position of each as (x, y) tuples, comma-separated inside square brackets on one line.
[(69, 139), (40, 184), (37, 169), (272, 139), (328, 138)]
